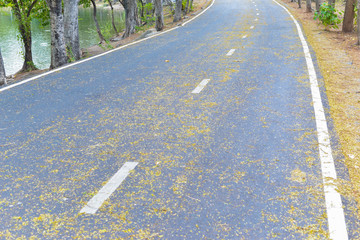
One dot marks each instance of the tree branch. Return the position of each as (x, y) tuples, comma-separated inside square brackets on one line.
[(31, 7)]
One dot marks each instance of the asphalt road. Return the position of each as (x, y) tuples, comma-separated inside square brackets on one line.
[(220, 143)]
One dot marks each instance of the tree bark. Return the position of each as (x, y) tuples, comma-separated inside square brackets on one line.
[(58, 47), (131, 17), (348, 22), (308, 6), (102, 39), (113, 18), (299, 3), (317, 5), (159, 24), (2, 71), (187, 7), (71, 28), (177, 16)]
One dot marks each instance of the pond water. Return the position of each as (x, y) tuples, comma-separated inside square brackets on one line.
[(12, 47)]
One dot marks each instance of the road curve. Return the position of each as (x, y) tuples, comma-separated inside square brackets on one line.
[(205, 132)]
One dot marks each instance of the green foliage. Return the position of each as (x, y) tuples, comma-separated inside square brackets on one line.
[(31, 66), (356, 14), (183, 5), (148, 10), (328, 16)]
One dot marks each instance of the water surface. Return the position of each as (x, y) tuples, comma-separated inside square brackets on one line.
[(12, 46)]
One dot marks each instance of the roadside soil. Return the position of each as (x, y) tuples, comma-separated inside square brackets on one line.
[(338, 57), (116, 41)]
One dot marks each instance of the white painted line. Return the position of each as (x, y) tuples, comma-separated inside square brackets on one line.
[(257, 9), (95, 203), (102, 54), (334, 207), (245, 36), (252, 27), (201, 86), (257, 14), (256, 19), (231, 52)]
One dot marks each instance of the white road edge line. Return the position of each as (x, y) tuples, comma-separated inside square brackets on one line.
[(102, 54), (245, 36), (201, 86), (334, 207), (104, 193), (252, 27), (231, 52)]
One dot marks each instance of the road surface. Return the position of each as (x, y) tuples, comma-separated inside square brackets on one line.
[(204, 132)]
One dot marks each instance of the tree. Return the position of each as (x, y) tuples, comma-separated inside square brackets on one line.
[(113, 18), (131, 16), (102, 39), (177, 15), (186, 7), (159, 24), (2, 71), (348, 21), (308, 6), (25, 11), (71, 28), (317, 5), (58, 47)]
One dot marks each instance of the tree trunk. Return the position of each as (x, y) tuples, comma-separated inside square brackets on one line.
[(25, 33), (131, 17), (102, 39), (58, 47), (113, 18), (348, 22), (159, 24), (2, 71), (177, 16), (191, 5), (71, 28), (299, 2), (308, 6), (186, 7), (358, 22), (317, 5), (27, 39)]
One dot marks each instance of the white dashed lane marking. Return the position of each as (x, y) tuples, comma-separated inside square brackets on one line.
[(95, 203), (201, 86), (231, 52)]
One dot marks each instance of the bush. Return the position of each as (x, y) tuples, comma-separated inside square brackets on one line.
[(328, 16)]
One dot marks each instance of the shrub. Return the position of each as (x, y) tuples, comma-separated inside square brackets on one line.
[(328, 16)]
